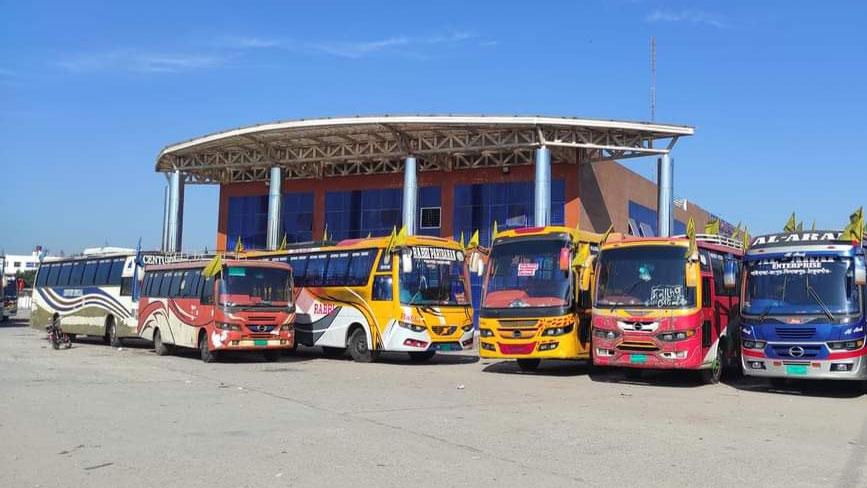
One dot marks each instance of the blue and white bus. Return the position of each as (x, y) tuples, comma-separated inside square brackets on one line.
[(802, 310)]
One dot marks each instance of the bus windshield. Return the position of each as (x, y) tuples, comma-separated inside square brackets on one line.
[(438, 277), (526, 273), (644, 276), (801, 285), (254, 286)]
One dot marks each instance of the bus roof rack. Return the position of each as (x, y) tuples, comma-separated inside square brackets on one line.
[(717, 239)]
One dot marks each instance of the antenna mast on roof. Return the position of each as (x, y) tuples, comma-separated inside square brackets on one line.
[(652, 78)]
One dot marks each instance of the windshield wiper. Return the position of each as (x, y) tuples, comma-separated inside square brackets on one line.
[(813, 293), (765, 312)]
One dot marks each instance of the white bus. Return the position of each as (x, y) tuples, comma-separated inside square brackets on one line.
[(89, 295)]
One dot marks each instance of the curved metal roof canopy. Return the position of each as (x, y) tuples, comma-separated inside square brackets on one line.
[(321, 148)]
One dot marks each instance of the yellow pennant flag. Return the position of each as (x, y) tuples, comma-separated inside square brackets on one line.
[(462, 241), (690, 232), (325, 233), (606, 234), (791, 224), (213, 267), (581, 256), (391, 238), (402, 237), (239, 246), (737, 232), (284, 243), (712, 227), (474, 240), (746, 241), (854, 231), (494, 232)]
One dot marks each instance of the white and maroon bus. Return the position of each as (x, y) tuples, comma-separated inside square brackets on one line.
[(246, 305)]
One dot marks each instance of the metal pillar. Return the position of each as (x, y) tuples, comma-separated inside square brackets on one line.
[(274, 196), (410, 194), (165, 238), (542, 190), (665, 185), (176, 212)]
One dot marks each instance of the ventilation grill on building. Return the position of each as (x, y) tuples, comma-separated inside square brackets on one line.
[(430, 217)]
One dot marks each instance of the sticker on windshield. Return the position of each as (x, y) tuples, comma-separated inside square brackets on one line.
[(527, 269), (667, 296), (799, 267), (434, 254), (238, 272)]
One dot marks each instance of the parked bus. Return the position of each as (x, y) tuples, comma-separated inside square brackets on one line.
[(367, 296), (244, 305), (658, 306), (10, 298), (803, 307), (533, 306), (89, 295)]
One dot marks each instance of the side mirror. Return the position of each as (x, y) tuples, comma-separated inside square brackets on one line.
[(730, 270), (692, 272), (860, 271), (406, 262), (477, 264), (565, 261), (585, 278)]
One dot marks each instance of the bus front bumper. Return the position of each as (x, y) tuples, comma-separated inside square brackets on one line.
[(564, 347), (852, 368), (401, 339)]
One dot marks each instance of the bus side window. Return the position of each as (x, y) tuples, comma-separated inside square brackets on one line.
[(102, 271), (208, 291), (175, 290), (705, 292), (75, 274), (338, 265), (54, 270), (116, 272), (382, 285), (89, 273), (299, 269), (315, 270), (42, 275), (359, 268), (145, 284), (165, 284), (192, 288), (65, 270)]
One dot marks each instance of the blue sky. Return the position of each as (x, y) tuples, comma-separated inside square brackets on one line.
[(91, 91)]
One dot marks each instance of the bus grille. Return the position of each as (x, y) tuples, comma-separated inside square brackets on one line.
[(637, 346), (444, 329), (261, 328), (521, 324), (810, 351), (801, 333)]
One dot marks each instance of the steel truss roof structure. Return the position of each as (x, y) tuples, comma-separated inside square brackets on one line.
[(322, 148)]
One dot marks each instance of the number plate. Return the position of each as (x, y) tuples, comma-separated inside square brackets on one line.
[(637, 358), (260, 342), (796, 369)]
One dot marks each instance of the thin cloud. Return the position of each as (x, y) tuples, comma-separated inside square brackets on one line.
[(688, 16), (140, 62), (354, 49)]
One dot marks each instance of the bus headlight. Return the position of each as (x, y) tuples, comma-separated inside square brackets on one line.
[(748, 344), (556, 331), (605, 334), (412, 327), (675, 336), (227, 326), (846, 345), (486, 333)]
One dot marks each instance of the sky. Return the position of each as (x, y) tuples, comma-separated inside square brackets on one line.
[(91, 91)]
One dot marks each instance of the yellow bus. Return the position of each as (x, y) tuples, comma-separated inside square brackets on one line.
[(536, 301), (367, 296)]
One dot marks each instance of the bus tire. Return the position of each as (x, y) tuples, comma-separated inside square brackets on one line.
[(358, 347), (206, 353), (422, 356), (333, 352), (529, 365), (712, 375), (111, 332), (272, 355), (160, 347)]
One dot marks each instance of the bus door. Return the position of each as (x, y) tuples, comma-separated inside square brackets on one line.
[(709, 323)]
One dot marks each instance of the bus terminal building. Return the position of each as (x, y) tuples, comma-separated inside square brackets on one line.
[(437, 175)]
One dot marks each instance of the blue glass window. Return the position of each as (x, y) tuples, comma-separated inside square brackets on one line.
[(648, 216), (248, 218), (297, 217)]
